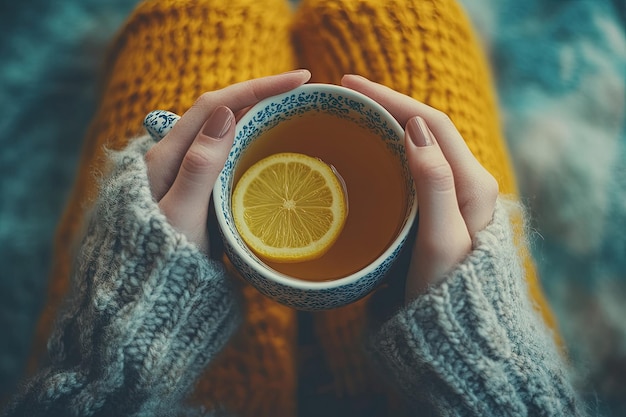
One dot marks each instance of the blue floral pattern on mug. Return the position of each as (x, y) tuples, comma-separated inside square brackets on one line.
[(312, 300), (265, 116), (159, 122)]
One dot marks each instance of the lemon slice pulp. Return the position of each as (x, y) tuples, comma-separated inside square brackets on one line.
[(289, 207)]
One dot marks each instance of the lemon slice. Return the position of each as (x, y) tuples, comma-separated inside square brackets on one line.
[(289, 207)]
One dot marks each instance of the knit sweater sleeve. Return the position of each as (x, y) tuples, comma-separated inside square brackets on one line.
[(473, 345), (147, 310)]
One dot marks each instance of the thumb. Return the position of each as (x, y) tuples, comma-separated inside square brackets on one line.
[(186, 203)]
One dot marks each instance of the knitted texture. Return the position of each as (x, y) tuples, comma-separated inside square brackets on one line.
[(51, 79), (171, 51), (147, 310), (167, 54), (429, 51), (473, 344), (425, 49)]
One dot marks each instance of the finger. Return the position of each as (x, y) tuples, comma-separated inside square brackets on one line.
[(477, 190), (443, 239), (186, 203), (236, 97), (165, 157)]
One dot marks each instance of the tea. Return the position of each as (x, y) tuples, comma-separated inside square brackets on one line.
[(374, 181)]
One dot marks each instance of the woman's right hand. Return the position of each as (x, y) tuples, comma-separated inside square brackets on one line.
[(456, 194), (184, 165)]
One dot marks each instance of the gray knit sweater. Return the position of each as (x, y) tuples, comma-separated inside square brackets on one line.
[(148, 311)]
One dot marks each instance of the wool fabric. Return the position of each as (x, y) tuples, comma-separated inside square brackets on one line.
[(171, 51), (472, 354), (148, 311), (429, 51), (164, 57)]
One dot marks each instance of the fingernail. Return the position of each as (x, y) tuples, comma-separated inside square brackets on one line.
[(358, 76), (419, 133), (296, 71), (218, 123), (159, 122)]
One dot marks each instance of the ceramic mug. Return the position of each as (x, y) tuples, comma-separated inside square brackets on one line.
[(337, 102)]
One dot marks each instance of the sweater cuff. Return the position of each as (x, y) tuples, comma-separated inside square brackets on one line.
[(147, 310), (474, 342), (163, 300)]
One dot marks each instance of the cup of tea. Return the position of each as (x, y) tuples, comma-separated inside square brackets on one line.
[(364, 145)]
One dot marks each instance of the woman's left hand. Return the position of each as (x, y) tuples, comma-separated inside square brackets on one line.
[(184, 165)]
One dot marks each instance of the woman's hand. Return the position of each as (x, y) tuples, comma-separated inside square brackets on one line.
[(183, 167), (456, 194)]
